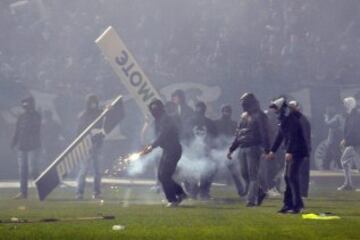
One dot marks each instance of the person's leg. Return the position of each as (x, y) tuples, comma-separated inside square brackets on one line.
[(287, 201), (23, 172), (347, 161), (233, 167), (304, 177), (34, 158), (244, 170), (81, 179), (165, 172), (294, 171), (253, 155), (207, 179), (97, 172)]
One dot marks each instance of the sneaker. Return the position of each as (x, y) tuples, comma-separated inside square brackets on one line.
[(261, 197), (172, 205), (181, 198), (250, 204), (20, 196), (285, 209), (345, 187), (273, 193), (296, 210)]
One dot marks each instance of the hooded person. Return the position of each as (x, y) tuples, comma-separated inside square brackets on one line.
[(351, 142), (27, 141), (167, 138), (304, 174), (291, 135), (225, 125), (91, 112), (252, 139), (202, 131)]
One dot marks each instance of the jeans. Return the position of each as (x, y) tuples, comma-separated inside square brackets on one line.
[(234, 169), (27, 160), (350, 156), (250, 158), (84, 168)]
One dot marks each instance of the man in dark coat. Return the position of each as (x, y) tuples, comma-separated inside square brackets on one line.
[(167, 139), (296, 147), (252, 138), (92, 111), (202, 129), (27, 140), (305, 166)]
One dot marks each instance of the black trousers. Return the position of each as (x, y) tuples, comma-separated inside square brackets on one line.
[(305, 177), (292, 196), (166, 170)]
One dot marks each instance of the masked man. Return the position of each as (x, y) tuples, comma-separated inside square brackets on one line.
[(296, 147), (252, 138), (167, 139), (27, 140)]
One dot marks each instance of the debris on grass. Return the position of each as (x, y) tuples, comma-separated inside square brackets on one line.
[(321, 216), (118, 227)]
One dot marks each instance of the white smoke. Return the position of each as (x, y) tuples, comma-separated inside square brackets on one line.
[(198, 159), (139, 166)]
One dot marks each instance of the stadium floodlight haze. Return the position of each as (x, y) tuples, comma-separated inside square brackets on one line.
[(170, 119)]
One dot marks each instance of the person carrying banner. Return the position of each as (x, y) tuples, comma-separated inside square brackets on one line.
[(167, 139), (92, 111), (27, 140)]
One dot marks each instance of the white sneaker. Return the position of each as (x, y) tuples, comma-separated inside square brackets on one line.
[(345, 187)]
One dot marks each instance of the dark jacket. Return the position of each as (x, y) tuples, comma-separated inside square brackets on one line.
[(27, 135), (291, 132), (167, 134), (306, 126), (225, 127), (185, 112), (252, 130), (352, 128), (201, 121)]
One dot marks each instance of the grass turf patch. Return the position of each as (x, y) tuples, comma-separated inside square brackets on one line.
[(144, 217)]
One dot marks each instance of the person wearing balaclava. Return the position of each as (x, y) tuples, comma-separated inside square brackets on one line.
[(27, 140), (305, 166), (167, 138), (351, 142), (291, 135), (252, 139), (91, 112), (201, 128)]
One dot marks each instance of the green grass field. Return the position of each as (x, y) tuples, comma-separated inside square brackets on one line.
[(145, 217)]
